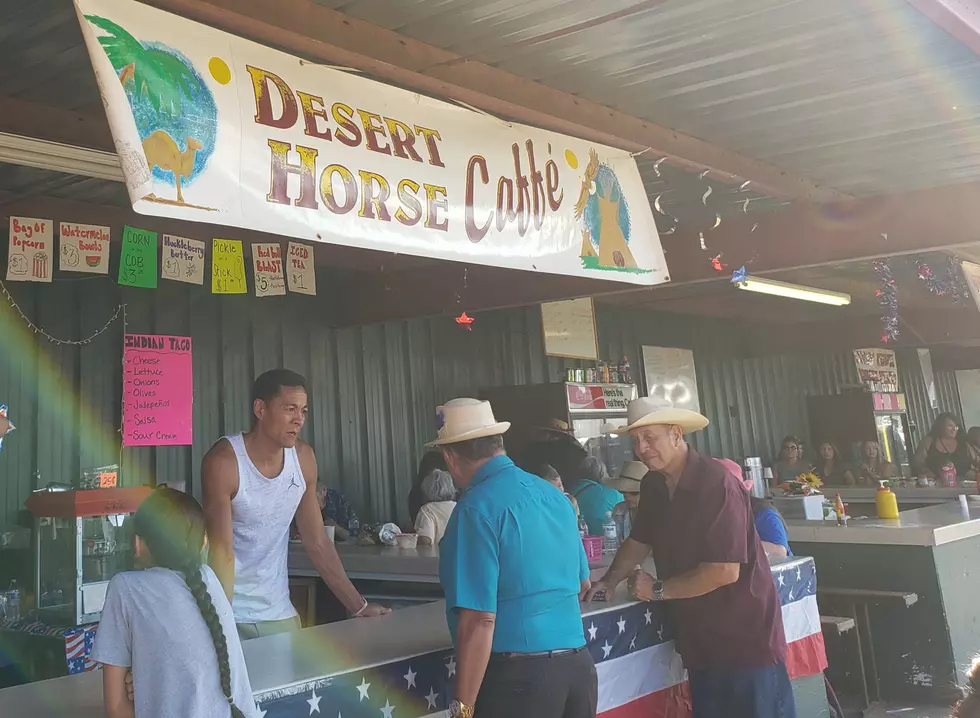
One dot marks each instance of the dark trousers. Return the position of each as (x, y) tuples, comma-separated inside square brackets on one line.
[(562, 686), (747, 693)]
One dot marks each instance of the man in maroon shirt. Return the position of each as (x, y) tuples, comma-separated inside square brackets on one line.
[(711, 568)]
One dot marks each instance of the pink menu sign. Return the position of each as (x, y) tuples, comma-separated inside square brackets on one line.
[(158, 391)]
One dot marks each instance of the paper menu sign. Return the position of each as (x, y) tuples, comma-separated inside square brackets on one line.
[(31, 250), (183, 259), (158, 390), (84, 248), (267, 266), (300, 270), (227, 267), (138, 260)]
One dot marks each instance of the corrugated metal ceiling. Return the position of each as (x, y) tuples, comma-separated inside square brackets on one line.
[(867, 96)]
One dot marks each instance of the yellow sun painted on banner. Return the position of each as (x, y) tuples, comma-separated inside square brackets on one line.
[(571, 159), (219, 70)]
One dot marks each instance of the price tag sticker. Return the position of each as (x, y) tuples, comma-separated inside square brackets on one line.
[(108, 479)]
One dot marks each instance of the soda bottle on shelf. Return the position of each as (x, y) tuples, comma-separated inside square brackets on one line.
[(627, 374)]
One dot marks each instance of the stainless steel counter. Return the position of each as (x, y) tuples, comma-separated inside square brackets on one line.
[(385, 563), (935, 495), (930, 526)]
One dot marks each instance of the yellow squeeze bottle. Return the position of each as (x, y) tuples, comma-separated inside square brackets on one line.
[(886, 502)]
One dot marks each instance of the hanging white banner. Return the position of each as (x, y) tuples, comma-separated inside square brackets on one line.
[(213, 128)]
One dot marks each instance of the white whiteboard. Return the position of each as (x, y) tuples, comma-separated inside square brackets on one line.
[(671, 377), (968, 381), (569, 329)]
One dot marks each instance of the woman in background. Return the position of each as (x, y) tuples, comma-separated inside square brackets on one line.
[(944, 445), (830, 466), (628, 484), (439, 493), (551, 475), (431, 461), (790, 463), (872, 466), (769, 523), (172, 624), (595, 499)]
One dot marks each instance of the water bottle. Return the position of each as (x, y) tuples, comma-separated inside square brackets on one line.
[(13, 602), (610, 539), (624, 525), (354, 527), (583, 527)]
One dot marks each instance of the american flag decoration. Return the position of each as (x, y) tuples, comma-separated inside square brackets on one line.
[(78, 649), (640, 673)]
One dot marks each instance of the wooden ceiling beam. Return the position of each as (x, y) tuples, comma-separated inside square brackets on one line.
[(310, 30), (811, 235), (54, 124)]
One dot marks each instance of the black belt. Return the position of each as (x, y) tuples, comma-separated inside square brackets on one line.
[(539, 654)]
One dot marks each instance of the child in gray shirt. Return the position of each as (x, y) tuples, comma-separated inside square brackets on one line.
[(171, 624)]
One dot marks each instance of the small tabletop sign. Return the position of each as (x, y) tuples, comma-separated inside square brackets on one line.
[(183, 259), (138, 261), (227, 267), (108, 479), (31, 250), (300, 270), (158, 391), (267, 263), (84, 248)]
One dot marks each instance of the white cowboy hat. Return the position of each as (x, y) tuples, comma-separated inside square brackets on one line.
[(630, 477), (464, 419), (646, 411)]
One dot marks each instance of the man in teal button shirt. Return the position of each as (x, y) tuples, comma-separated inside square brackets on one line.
[(512, 566)]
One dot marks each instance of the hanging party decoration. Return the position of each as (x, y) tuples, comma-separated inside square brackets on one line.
[(704, 197), (888, 300), (465, 320), (742, 187), (717, 264), (656, 204), (701, 238), (6, 425), (717, 221), (740, 275), (84, 248), (943, 279), (183, 259), (138, 261), (703, 174), (227, 267), (31, 250), (656, 165)]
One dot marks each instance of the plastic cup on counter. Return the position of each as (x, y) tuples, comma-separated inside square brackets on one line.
[(331, 532)]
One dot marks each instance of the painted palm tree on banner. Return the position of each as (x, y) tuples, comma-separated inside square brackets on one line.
[(172, 105)]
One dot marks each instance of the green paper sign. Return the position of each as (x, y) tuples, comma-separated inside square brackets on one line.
[(138, 262)]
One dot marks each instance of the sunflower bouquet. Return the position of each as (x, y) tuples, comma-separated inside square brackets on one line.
[(806, 484)]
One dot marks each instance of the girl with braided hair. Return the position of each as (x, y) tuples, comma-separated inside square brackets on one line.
[(172, 624)]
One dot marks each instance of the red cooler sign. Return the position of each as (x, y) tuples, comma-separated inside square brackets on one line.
[(599, 397)]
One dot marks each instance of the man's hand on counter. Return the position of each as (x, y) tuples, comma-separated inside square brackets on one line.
[(374, 609), (601, 590)]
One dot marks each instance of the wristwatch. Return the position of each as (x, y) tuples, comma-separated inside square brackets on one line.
[(458, 709), (658, 590)]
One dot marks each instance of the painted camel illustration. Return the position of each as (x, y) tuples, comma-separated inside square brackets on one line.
[(161, 151)]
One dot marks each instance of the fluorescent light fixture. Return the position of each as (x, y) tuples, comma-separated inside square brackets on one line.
[(32, 152), (794, 291)]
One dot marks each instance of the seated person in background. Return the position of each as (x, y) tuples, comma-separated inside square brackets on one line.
[(872, 466), (595, 499), (945, 445), (628, 484), (439, 493), (830, 466), (790, 463), (769, 523), (336, 510), (549, 474), (431, 461)]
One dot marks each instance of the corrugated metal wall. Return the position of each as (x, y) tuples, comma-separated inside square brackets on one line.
[(373, 389), (920, 412)]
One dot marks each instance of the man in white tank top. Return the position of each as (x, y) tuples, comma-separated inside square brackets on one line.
[(254, 484)]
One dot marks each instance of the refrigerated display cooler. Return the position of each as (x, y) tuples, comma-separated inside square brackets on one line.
[(849, 419), (588, 409)]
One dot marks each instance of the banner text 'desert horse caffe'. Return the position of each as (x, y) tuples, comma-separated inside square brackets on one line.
[(213, 128)]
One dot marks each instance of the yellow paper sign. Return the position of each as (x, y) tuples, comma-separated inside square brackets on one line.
[(227, 267)]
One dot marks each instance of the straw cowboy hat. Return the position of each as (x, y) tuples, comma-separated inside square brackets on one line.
[(465, 419), (630, 477), (650, 412)]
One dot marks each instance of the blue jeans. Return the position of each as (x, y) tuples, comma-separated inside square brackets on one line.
[(747, 693)]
